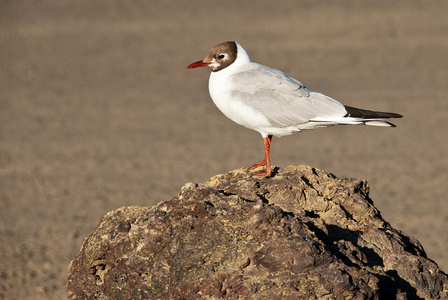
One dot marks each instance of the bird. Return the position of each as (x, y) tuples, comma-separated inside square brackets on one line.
[(271, 102)]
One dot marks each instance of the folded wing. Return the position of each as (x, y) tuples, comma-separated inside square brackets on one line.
[(283, 100)]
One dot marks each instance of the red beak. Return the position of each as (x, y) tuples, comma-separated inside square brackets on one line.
[(197, 64)]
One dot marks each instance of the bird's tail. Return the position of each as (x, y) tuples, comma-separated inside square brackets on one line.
[(379, 123)]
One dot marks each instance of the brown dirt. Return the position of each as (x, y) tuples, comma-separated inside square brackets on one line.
[(98, 111)]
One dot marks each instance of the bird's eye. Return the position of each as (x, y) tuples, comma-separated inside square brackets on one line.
[(221, 55)]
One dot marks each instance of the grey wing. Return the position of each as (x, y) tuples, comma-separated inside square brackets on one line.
[(283, 100)]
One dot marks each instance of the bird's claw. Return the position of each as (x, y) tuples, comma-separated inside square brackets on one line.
[(256, 165), (267, 172)]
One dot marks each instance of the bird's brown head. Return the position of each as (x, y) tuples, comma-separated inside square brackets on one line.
[(219, 57)]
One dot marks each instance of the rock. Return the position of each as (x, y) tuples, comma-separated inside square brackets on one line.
[(302, 234)]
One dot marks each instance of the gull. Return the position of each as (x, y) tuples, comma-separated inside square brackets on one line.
[(271, 102)]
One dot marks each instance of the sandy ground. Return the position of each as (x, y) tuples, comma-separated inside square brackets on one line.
[(98, 111)]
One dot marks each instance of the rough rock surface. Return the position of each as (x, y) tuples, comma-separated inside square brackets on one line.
[(302, 234)]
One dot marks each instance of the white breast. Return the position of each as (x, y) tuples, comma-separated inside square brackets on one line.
[(234, 108)]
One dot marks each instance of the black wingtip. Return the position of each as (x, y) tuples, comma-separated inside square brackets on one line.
[(370, 114)]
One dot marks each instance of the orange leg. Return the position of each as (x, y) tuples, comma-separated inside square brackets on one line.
[(267, 160)]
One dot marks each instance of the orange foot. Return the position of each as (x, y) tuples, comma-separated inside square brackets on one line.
[(266, 172), (256, 165), (266, 161)]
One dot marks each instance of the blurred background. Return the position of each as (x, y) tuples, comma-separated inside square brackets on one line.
[(98, 111)]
